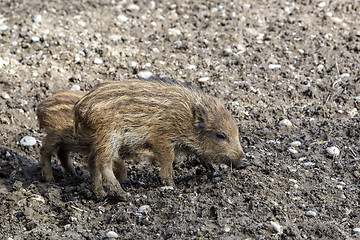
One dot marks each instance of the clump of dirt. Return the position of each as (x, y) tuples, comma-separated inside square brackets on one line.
[(267, 60)]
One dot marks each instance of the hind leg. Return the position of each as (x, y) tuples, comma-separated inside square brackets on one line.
[(95, 175), (64, 157), (120, 170), (49, 145)]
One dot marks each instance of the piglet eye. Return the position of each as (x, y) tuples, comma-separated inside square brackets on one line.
[(220, 136)]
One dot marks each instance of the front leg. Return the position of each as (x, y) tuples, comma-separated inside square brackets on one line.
[(165, 156)]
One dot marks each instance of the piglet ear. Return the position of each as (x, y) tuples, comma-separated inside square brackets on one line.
[(200, 116)]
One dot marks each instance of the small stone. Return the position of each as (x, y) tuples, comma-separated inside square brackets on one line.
[(174, 31), (115, 37), (5, 95), (192, 67), (333, 151), (133, 7), (28, 141), (285, 122), (37, 19), (217, 179), (294, 151), (322, 4), (320, 66), (224, 166), (3, 27), (337, 20), (167, 188), (112, 234), (357, 98), (309, 164), (227, 228), (353, 112), (357, 230), (203, 79), (152, 5), (345, 75), (144, 74), (98, 61), (276, 227), (295, 144), (35, 39), (75, 87), (122, 18), (311, 214), (274, 66), (144, 209), (133, 64), (61, 34), (77, 57)]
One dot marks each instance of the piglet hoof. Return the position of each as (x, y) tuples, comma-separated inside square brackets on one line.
[(118, 196), (48, 178)]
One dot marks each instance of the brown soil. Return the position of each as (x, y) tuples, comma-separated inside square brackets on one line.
[(267, 60)]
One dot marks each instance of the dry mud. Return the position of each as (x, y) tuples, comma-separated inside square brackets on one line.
[(267, 60)]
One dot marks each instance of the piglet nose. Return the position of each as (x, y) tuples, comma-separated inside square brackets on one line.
[(240, 165)]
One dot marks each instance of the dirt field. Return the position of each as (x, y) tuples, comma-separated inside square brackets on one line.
[(269, 61)]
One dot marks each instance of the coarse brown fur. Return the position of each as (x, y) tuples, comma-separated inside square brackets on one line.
[(165, 117), (55, 116)]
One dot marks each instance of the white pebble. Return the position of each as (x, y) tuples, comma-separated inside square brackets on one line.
[(174, 31), (203, 79), (37, 18), (321, 66), (309, 164), (144, 74), (61, 34), (357, 98), (357, 230), (322, 4), (227, 228), (291, 150), (285, 122), (115, 37), (5, 95), (191, 67), (75, 87), (122, 18), (353, 112), (35, 39), (98, 61), (311, 214), (112, 234), (295, 144), (133, 7), (345, 75), (167, 188), (28, 141), (276, 227), (77, 57), (274, 66), (81, 23), (144, 209), (337, 20), (333, 151), (133, 64), (3, 27)]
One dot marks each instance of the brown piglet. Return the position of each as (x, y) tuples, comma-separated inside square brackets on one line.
[(55, 115), (163, 116)]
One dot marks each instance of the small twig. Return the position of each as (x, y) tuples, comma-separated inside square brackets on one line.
[(352, 151), (319, 143)]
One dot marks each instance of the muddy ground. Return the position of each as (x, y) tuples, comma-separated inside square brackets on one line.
[(267, 60)]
